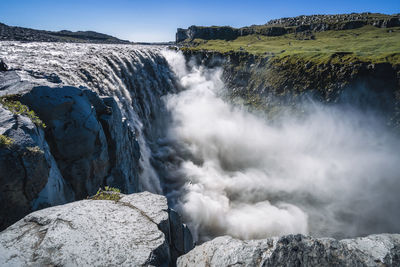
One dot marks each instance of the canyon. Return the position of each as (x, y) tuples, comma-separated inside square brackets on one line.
[(219, 157)]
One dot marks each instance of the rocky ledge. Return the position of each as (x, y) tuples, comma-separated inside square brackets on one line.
[(297, 250), (136, 230)]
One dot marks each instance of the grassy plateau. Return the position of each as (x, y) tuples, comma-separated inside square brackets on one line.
[(365, 44)]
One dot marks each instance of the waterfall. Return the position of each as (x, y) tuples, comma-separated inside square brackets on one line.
[(136, 76), (325, 171)]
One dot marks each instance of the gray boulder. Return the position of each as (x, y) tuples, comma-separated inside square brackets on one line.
[(296, 250), (133, 231), (29, 177)]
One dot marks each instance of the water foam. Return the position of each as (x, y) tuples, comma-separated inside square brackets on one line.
[(333, 171)]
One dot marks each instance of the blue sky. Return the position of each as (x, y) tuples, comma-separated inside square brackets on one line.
[(157, 20)]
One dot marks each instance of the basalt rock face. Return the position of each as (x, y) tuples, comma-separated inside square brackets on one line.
[(133, 231), (297, 250), (88, 138), (207, 33), (29, 176), (76, 137), (123, 148), (10, 83)]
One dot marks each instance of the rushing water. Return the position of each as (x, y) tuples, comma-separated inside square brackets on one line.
[(333, 171), (137, 77)]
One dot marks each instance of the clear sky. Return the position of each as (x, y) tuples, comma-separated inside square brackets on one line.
[(157, 20)]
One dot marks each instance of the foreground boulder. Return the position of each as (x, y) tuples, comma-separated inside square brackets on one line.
[(135, 230), (297, 250)]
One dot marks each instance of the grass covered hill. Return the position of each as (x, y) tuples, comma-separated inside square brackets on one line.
[(362, 37)]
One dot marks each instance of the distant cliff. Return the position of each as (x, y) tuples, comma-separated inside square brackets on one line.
[(278, 27), (10, 33)]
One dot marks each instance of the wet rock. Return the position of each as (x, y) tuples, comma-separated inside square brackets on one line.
[(75, 136), (277, 27), (296, 250), (133, 231), (3, 66), (10, 83), (29, 177), (123, 148), (181, 238)]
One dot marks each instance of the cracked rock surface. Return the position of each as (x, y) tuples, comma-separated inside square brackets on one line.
[(296, 250), (133, 231)]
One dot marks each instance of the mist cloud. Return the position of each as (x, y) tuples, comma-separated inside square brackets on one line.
[(333, 171)]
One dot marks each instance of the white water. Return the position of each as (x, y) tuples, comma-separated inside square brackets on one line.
[(330, 172), (136, 76)]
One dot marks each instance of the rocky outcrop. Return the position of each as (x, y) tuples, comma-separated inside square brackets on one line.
[(123, 148), (297, 250), (133, 231), (3, 65), (29, 176), (339, 21)]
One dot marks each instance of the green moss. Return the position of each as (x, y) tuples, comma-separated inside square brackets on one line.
[(109, 193), (35, 150), (17, 107), (6, 141), (365, 44)]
